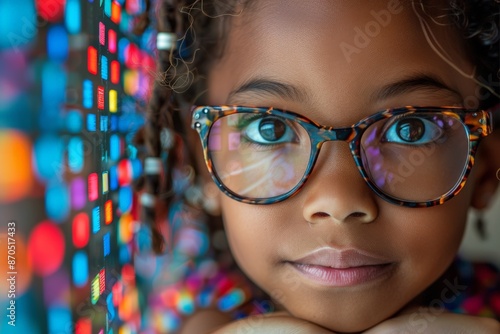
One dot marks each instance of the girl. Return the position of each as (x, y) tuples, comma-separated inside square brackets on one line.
[(348, 228)]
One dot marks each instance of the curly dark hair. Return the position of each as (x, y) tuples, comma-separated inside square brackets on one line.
[(201, 26), (478, 23)]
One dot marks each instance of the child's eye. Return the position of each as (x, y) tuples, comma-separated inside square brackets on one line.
[(269, 130), (413, 131)]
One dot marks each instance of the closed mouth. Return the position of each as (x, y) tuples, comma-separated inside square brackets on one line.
[(342, 268), (343, 277)]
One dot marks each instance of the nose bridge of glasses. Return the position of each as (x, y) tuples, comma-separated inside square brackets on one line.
[(335, 151), (336, 134)]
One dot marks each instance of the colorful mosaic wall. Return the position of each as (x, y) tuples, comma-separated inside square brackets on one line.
[(74, 82)]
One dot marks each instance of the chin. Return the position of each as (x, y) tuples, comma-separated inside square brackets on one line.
[(349, 320), (355, 325)]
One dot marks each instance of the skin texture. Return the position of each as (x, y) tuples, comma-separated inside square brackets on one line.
[(298, 42)]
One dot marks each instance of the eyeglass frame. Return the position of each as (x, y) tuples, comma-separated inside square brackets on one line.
[(477, 123)]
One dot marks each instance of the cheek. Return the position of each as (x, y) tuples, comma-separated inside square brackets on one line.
[(252, 233), (429, 240), (430, 237)]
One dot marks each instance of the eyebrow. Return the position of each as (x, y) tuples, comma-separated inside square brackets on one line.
[(411, 83), (408, 84), (271, 87)]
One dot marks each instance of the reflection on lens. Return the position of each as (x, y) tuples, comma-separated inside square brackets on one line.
[(418, 157), (258, 155)]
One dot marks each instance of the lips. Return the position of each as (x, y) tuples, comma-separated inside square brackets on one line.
[(332, 267), (340, 259)]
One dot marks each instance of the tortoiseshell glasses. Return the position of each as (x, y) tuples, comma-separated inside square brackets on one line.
[(411, 156)]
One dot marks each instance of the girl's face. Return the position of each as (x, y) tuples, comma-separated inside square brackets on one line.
[(342, 61)]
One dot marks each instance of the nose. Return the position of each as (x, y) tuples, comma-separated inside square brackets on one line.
[(336, 191)]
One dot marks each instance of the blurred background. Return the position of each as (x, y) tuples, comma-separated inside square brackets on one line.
[(473, 246), (74, 83)]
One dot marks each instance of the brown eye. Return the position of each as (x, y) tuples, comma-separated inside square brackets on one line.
[(410, 129), (272, 129), (414, 130), (268, 130)]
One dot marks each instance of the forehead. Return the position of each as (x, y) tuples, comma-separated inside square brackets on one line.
[(322, 43), (338, 25)]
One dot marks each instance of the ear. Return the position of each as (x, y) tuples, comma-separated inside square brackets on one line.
[(488, 174)]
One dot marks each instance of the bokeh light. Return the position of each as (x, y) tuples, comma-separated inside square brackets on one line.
[(49, 10), (81, 230), (73, 16), (80, 268), (57, 201), (125, 228), (16, 176), (57, 43), (48, 157), (46, 257)]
